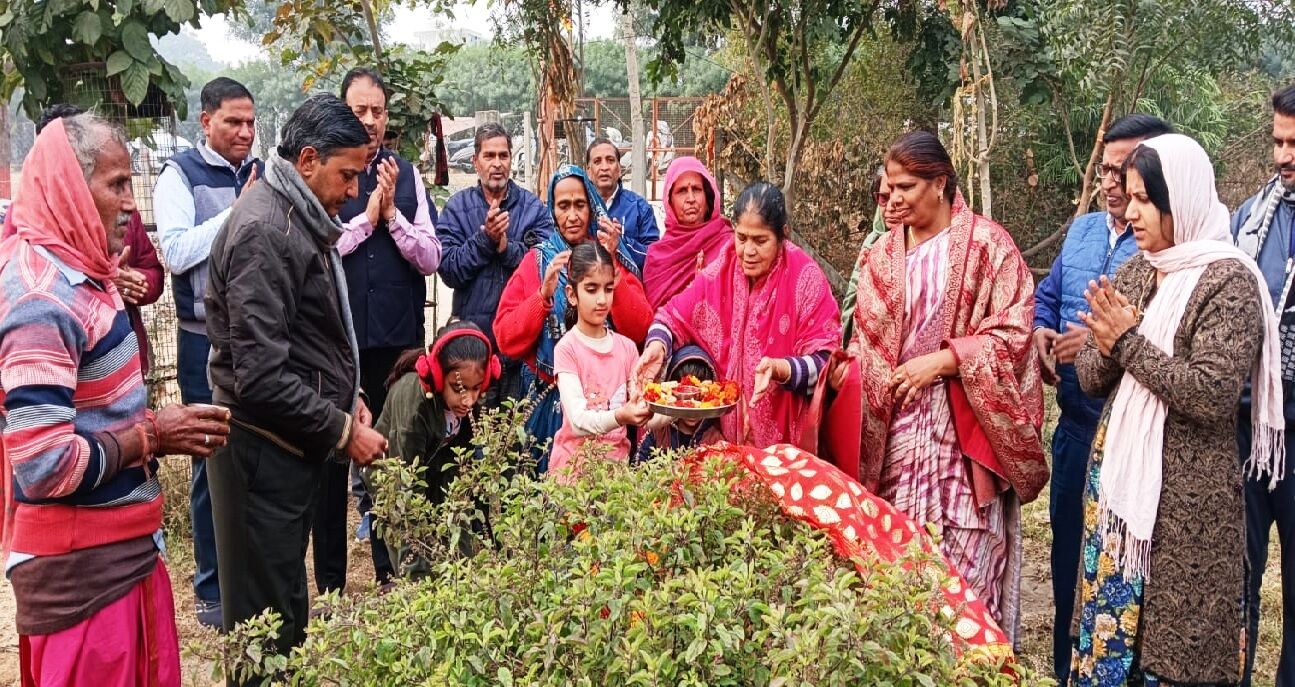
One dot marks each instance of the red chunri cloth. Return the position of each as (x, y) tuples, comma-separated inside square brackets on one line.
[(861, 526)]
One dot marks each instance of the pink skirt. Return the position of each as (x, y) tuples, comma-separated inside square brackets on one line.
[(130, 643)]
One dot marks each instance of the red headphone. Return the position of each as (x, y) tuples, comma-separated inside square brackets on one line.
[(429, 366)]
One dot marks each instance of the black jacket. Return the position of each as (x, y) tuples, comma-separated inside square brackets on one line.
[(281, 357)]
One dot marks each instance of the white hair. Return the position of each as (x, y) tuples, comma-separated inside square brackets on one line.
[(89, 134)]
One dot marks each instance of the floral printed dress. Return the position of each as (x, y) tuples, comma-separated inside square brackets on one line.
[(1106, 653)]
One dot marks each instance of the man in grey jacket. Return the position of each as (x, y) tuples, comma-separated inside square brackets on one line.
[(285, 362)]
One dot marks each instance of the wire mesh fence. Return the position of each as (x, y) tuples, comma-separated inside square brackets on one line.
[(668, 125)]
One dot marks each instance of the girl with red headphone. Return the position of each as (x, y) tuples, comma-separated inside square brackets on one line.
[(431, 403)]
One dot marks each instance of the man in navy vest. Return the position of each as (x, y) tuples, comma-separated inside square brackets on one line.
[(191, 201), (630, 210), (1264, 227), (1097, 243), (388, 248), (487, 230)]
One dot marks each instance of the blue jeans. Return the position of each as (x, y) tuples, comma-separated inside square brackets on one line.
[(1264, 509), (191, 370), (1066, 513)]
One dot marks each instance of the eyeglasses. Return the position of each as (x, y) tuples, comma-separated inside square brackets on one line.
[(1110, 172)]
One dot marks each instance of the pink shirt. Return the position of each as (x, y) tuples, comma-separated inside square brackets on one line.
[(593, 376)]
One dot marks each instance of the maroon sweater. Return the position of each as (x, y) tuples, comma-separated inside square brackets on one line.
[(143, 257)]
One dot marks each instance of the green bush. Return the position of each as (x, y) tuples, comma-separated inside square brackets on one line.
[(629, 576)]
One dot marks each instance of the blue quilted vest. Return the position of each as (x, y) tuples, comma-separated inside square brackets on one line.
[(1086, 255), (215, 185)]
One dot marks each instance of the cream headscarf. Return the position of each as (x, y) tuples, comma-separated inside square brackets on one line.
[(1134, 450)]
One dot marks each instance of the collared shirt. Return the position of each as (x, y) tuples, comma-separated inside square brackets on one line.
[(1116, 230), (184, 243), (416, 240)]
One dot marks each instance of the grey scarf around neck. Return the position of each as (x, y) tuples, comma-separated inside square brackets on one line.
[(1251, 239), (283, 177)]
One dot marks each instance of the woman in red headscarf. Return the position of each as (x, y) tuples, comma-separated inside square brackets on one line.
[(952, 402), (696, 231)]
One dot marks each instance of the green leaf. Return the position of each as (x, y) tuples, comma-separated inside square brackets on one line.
[(87, 28), (118, 62), (123, 10), (179, 11), (134, 38), (58, 8), (134, 82)]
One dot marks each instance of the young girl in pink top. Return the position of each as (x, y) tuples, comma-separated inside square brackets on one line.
[(592, 365)]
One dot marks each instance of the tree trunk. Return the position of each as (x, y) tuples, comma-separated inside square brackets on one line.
[(6, 152), (1086, 190), (372, 21), (982, 137), (638, 140), (799, 133)]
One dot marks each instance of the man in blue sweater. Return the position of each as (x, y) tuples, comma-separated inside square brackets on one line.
[(485, 232), (1097, 243), (628, 210), (191, 201), (1264, 227)]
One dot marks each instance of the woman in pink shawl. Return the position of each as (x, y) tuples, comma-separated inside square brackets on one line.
[(764, 313), (695, 231)]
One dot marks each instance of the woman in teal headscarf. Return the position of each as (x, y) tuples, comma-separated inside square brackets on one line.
[(533, 310)]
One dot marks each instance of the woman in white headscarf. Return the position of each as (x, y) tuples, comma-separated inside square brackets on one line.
[(1174, 338)]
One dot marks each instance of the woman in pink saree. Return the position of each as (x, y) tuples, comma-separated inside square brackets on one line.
[(696, 232), (763, 311)]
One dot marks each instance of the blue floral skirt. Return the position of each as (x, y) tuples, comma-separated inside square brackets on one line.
[(1106, 653)]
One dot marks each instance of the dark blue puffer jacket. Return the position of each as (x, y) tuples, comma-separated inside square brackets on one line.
[(1086, 255), (470, 262)]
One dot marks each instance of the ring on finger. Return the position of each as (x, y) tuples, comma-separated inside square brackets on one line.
[(205, 439)]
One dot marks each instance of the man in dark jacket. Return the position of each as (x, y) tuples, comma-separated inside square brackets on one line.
[(191, 202), (388, 248), (485, 232), (285, 362), (1264, 227)]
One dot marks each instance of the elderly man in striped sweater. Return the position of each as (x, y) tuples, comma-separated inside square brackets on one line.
[(82, 504)]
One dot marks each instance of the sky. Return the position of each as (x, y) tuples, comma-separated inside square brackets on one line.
[(214, 33)]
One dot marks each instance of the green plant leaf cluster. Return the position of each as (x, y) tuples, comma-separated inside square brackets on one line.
[(649, 575), (49, 41)]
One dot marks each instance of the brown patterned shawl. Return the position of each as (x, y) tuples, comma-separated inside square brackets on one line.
[(988, 310)]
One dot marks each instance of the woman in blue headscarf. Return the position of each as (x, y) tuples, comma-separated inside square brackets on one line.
[(533, 311)]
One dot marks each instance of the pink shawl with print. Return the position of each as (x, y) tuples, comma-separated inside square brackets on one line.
[(672, 261), (790, 312)]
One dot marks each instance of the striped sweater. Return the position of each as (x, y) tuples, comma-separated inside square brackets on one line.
[(69, 382)]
